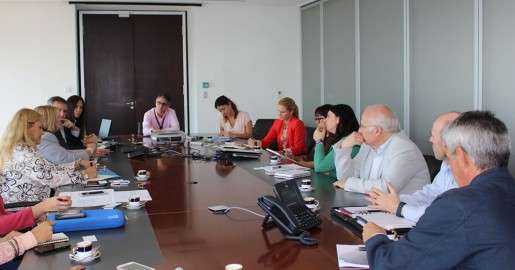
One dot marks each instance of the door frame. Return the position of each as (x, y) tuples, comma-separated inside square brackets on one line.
[(183, 14)]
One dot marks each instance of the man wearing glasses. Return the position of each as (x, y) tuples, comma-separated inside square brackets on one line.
[(386, 156)]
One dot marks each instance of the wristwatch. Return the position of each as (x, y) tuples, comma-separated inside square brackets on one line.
[(399, 209)]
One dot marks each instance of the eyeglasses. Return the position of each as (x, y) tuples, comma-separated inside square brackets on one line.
[(161, 103), (318, 119)]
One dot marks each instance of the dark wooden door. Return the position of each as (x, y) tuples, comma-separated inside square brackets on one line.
[(127, 62)]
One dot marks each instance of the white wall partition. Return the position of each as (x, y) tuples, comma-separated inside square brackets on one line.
[(311, 62), (339, 51), (442, 62), (499, 63), (381, 41)]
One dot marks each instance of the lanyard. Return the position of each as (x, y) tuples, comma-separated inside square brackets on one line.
[(157, 120)]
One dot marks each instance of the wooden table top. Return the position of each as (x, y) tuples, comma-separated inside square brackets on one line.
[(190, 236)]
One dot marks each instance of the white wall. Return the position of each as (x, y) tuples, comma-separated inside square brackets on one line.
[(37, 54), (244, 50)]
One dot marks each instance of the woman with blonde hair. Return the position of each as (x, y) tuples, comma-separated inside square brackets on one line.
[(24, 174), (49, 147), (288, 131)]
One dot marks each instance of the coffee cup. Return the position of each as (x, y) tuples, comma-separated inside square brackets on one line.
[(305, 184), (274, 160), (311, 203), (142, 175), (83, 250), (234, 266), (134, 202)]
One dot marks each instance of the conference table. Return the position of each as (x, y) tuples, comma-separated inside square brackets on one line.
[(176, 229)]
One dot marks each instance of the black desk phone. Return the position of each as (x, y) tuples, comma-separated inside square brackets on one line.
[(288, 211)]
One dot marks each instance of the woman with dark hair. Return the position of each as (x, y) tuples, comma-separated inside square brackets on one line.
[(320, 116), (76, 115), (340, 122), (161, 117), (288, 131), (234, 123)]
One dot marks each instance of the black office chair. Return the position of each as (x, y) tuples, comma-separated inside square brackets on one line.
[(261, 128), (310, 143), (433, 165)]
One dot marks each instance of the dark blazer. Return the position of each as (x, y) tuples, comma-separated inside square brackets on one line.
[(472, 227), (71, 142)]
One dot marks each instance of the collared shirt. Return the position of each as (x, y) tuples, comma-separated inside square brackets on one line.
[(152, 121), (374, 163), (398, 162), (417, 202)]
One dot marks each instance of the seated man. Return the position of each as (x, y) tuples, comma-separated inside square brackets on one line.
[(386, 156), (414, 205), (68, 130), (470, 227)]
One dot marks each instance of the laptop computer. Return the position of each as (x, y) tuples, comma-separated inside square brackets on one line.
[(105, 126)]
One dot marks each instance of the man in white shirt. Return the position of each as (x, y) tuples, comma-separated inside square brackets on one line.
[(386, 156), (414, 205)]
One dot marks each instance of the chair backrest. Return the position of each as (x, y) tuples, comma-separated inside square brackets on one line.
[(433, 165), (261, 128), (310, 143)]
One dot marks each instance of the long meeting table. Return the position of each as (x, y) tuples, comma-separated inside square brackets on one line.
[(177, 230)]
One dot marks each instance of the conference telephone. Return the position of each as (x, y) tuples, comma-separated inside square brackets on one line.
[(287, 210)]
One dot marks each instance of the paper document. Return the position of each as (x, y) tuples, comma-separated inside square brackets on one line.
[(351, 256), (388, 221), (101, 197)]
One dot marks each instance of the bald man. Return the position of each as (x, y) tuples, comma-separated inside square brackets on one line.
[(386, 156), (414, 205)]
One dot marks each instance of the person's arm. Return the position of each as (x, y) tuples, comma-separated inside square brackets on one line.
[(397, 170), (173, 122), (299, 139), (53, 175), (438, 240), (147, 124), (323, 162), (417, 202), (16, 221), (55, 153), (271, 136), (17, 246), (247, 132)]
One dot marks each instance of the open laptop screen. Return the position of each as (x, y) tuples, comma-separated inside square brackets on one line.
[(105, 126)]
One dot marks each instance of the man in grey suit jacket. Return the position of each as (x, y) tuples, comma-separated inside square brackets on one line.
[(386, 156)]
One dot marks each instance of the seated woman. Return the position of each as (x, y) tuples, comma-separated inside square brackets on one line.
[(234, 123), (320, 116), (24, 174), (339, 123), (76, 115), (49, 147), (288, 131), (15, 244), (161, 117)]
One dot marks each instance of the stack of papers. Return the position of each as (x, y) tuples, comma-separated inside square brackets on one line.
[(292, 174), (101, 197), (286, 171), (351, 256), (385, 220)]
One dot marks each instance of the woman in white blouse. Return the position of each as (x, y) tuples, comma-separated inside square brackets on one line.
[(233, 123), (24, 174)]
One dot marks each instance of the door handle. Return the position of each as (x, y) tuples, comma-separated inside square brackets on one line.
[(131, 104)]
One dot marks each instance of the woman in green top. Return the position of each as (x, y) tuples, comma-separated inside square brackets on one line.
[(340, 122)]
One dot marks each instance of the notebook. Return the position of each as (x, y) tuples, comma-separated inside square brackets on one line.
[(351, 256)]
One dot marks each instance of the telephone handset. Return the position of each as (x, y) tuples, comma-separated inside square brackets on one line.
[(288, 211)]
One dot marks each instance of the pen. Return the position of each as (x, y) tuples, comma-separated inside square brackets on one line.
[(361, 221), (92, 193)]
